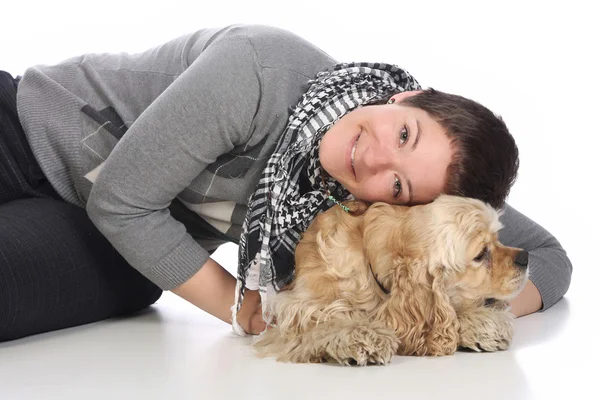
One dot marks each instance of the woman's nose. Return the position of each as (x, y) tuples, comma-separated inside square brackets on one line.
[(377, 157)]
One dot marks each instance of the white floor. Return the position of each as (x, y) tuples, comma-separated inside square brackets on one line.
[(176, 351)]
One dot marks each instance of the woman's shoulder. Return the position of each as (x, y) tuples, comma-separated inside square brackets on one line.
[(279, 48)]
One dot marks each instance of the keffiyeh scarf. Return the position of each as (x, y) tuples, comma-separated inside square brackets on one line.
[(278, 210)]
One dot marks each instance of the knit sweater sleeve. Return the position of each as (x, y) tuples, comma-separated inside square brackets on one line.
[(204, 113), (549, 267)]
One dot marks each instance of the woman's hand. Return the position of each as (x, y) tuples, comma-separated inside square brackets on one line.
[(212, 289), (250, 315), (527, 301)]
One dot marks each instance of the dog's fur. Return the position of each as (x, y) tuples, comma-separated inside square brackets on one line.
[(442, 293)]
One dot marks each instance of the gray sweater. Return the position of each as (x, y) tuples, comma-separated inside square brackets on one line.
[(181, 133)]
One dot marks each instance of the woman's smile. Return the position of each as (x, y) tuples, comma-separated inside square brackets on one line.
[(352, 154)]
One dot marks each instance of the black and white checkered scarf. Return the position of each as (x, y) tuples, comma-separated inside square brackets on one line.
[(278, 211)]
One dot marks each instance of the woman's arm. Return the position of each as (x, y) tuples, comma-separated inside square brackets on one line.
[(549, 267), (212, 289), (204, 113)]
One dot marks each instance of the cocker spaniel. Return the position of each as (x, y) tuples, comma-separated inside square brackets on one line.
[(383, 280)]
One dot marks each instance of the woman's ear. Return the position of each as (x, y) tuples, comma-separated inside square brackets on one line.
[(419, 311), (398, 97)]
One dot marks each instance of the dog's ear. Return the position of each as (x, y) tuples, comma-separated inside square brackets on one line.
[(443, 333), (419, 310), (385, 234)]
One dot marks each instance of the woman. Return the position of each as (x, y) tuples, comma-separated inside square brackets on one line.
[(153, 160)]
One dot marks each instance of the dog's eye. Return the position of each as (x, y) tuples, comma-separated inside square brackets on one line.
[(482, 256)]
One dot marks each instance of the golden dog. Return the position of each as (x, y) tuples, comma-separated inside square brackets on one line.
[(384, 280)]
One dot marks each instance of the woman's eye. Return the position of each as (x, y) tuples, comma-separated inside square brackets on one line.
[(397, 187), (404, 134), (482, 256)]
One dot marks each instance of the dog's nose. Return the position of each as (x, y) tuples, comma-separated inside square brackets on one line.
[(522, 259)]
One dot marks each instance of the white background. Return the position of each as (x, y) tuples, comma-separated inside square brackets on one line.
[(535, 63)]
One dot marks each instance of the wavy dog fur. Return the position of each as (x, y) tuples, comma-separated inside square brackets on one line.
[(448, 280)]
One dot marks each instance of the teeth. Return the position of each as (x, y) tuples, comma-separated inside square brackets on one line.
[(352, 155)]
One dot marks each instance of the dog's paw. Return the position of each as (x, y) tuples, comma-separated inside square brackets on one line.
[(362, 345), (485, 330), (480, 344)]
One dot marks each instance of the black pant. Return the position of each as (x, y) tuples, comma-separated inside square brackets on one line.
[(56, 268)]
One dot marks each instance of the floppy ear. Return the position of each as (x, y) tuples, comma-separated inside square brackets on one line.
[(419, 310)]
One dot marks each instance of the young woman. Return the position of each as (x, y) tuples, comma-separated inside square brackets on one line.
[(121, 173)]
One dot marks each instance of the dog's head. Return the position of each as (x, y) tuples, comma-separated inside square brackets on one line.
[(438, 257), (453, 237)]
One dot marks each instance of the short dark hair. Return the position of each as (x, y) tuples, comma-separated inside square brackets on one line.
[(486, 159)]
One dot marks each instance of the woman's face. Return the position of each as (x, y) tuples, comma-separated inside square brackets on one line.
[(391, 153)]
